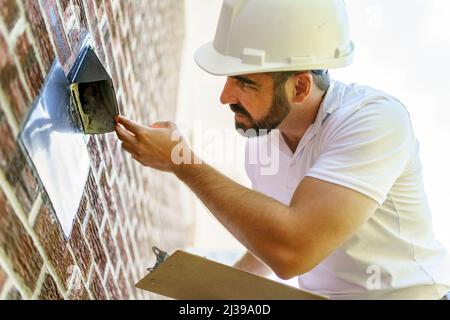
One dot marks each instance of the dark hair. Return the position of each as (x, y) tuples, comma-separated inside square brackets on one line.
[(321, 78)]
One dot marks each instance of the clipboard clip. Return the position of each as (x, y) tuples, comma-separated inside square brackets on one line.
[(161, 256)]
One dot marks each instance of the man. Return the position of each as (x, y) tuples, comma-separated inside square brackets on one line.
[(345, 208)]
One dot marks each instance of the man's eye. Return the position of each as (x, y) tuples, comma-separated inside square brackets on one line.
[(246, 85)]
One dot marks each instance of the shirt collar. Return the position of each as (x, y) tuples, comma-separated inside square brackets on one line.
[(329, 104)]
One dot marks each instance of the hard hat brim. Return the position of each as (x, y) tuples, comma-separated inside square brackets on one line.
[(215, 63)]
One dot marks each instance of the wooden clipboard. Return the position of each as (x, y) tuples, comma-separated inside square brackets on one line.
[(186, 276)]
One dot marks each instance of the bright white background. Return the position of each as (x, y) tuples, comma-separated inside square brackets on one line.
[(403, 48)]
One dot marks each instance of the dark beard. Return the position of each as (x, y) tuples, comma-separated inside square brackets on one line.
[(278, 111)]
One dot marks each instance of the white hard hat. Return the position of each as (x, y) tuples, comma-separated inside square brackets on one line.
[(255, 36)]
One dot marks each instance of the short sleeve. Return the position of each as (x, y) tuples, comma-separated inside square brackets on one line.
[(368, 151)]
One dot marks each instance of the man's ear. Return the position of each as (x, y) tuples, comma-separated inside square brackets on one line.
[(303, 85)]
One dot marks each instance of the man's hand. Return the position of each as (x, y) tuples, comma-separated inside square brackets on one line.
[(160, 145), (290, 239)]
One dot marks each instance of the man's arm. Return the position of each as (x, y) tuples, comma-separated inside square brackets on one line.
[(248, 262), (292, 239)]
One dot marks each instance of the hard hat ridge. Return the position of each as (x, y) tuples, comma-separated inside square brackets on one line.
[(255, 36)]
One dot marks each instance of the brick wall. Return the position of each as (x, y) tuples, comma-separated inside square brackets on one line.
[(125, 208)]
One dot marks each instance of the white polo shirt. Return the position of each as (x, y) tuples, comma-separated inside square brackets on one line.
[(362, 139)]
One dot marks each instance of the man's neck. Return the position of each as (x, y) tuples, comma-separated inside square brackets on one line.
[(300, 119)]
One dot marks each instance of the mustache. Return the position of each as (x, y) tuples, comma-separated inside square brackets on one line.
[(236, 108)]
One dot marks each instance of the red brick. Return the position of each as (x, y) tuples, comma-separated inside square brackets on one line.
[(51, 237), (129, 200), (128, 168), (93, 238), (49, 290), (94, 153), (11, 84), (8, 145), (110, 244), (118, 201), (131, 280), (57, 30), (9, 11), (18, 245), (128, 238), (113, 288), (64, 4), (119, 77), (96, 287), (123, 284), (102, 140), (137, 13), (143, 244), (111, 19), (124, 7), (112, 140), (132, 172), (93, 196), (99, 47), (121, 247), (107, 194), (3, 277), (75, 26), (31, 186), (80, 249), (13, 294), (108, 47), (100, 8), (30, 68), (78, 290), (20, 176), (95, 31), (90, 12), (82, 15), (119, 43), (40, 33), (118, 159), (84, 206)]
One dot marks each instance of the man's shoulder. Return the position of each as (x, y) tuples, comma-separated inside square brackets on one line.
[(364, 105)]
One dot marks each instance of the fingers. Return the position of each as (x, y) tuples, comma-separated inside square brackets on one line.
[(156, 126), (162, 124), (130, 133), (138, 159), (125, 135), (130, 125), (130, 149)]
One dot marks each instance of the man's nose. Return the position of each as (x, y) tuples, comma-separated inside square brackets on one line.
[(228, 96)]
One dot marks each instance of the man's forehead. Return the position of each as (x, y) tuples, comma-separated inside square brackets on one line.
[(260, 75), (253, 78)]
